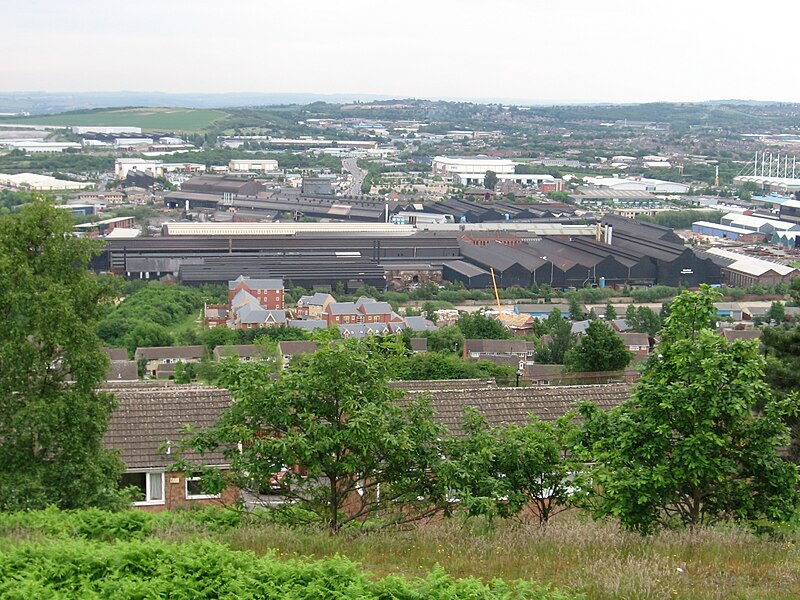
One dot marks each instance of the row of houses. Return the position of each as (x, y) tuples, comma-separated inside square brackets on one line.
[(148, 424)]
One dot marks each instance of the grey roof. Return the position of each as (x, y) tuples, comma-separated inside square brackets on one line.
[(342, 308), (317, 299), (257, 284), (123, 370), (360, 330), (240, 350), (376, 308), (116, 353), (151, 417), (174, 352), (308, 324), (499, 346), (420, 324), (635, 339), (291, 348), (742, 334), (503, 406), (425, 385), (580, 326), (465, 268)]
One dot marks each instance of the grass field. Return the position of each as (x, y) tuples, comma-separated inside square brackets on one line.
[(584, 559), (149, 119)]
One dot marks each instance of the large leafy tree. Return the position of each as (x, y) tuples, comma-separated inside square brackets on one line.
[(600, 349), (477, 326), (52, 418), (344, 446), (688, 448), (509, 470)]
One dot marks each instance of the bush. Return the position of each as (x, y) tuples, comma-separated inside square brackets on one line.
[(154, 569)]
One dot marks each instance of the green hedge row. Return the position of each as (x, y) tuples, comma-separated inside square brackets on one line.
[(76, 568)]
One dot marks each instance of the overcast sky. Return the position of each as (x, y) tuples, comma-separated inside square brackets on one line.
[(523, 50)]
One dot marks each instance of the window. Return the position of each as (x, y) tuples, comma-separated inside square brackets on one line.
[(149, 486), (194, 489)]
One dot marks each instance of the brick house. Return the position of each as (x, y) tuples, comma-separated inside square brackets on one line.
[(638, 343), (289, 349), (364, 310), (514, 353), (146, 429), (248, 312), (267, 292), (311, 307), (160, 361)]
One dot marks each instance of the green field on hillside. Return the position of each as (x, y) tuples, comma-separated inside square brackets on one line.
[(149, 119)]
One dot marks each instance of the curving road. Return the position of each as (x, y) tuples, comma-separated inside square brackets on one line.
[(351, 166)]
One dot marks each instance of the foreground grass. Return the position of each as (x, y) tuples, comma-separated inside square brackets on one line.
[(580, 557), (596, 559)]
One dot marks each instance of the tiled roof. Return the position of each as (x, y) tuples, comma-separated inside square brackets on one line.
[(503, 406), (635, 339), (499, 346), (150, 417), (159, 352), (240, 350), (290, 348), (116, 353), (742, 334), (443, 385), (308, 324)]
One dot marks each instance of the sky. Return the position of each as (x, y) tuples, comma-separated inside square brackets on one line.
[(534, 51)]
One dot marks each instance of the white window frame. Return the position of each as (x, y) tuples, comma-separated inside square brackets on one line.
[(148, 501), (189, 496)]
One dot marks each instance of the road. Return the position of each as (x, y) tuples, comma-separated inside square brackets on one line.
[(351, 166)]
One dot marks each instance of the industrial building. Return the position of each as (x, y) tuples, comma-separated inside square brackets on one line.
[(727, 232), (123, 166), (745, 271), (40, 183), (638, 184), (250, 165), (470, 167), (758, 224)]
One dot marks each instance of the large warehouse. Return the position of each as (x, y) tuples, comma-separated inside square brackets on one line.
[(465, 166)]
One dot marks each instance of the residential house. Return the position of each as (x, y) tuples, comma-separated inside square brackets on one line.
[(267, 292), (745, 335), (580, 327), (515, 353), (290, 349), (419, 324), (146, 429), (308, 324), (419, 345), (247, 312), (638, 343), (244, 352), (515, 405), (160, 361), (312, 307), (216, 315), (362, 330), (364, 310)]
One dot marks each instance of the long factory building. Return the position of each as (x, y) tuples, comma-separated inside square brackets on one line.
[(618, 251)]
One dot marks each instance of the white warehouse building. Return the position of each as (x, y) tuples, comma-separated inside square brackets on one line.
[(248, 165), (448, 166), (123, 166), (638, 184)]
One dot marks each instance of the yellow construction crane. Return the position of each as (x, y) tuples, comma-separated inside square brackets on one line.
[(496, 295)]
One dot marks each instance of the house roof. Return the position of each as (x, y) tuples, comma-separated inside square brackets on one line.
[(240, 350), (151, 417), (742, 334), (318, 299), (342, 308), (174, 352), (502, 406), (290, 348), (308, 324), (116, 353), (499, 346), (123, 370), (635, 339), (419, 324), (443, 384)]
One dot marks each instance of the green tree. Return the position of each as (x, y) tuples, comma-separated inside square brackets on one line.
[(500, 471), (51, 366), (776, 313), (446, 339), (611, 312), (600, 349), (490, 180), (575, 309), (687, 448), (477, 326), (347, 450), (560, 339)]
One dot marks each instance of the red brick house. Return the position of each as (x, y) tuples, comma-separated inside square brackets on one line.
[(268, 292), (363, 310), (146, 430)]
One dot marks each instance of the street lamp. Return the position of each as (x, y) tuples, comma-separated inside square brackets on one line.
[(519, 372)]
